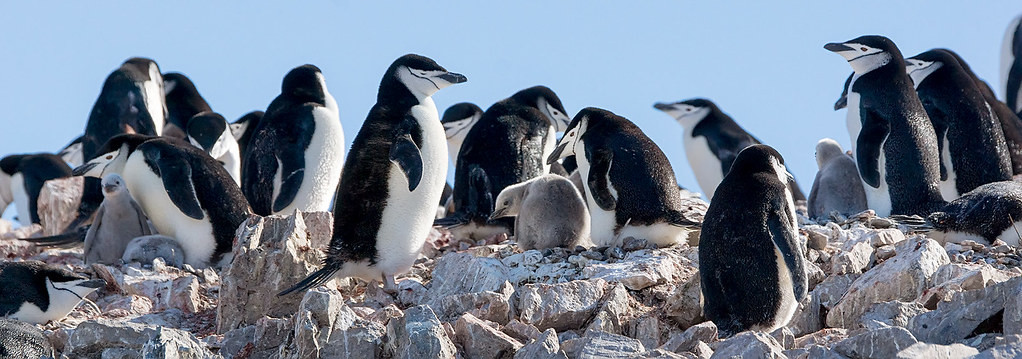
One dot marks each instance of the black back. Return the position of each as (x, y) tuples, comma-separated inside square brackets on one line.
[(889, 108), (460, 111), (22, 282), (19, 339), (183, 100), (1011, 126), (1014, 83), (252, 119), (120, 108), (959, 113), (987, 211), (206, 128), (36, 169)]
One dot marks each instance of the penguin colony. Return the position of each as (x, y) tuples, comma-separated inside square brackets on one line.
[(169, 177)]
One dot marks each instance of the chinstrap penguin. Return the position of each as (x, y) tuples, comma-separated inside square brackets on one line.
[(1011, 65), (210, 132), (22, 178), (389, 188), (72, 153), (118, 220), (35, 292), (131, 101), (458, 120), (549, 212), (1011, 126), (183, 102), (629, 183), (837, 187), (242, 129), (989, 212), (751, 262)]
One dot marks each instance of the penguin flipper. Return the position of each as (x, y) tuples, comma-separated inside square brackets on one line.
[(143, 222), (177, 180), (784, 237), (292, 165), (315, 279), (939, 119), (406, 155), (874, 131), (1014, 85), (599, 181)]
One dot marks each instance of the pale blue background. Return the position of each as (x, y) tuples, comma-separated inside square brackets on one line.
[(762, 62)]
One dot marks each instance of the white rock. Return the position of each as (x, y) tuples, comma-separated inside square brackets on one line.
[(545, 347), (483, 341), (563, 306), (641, 269), (750, 344), (937, 351), (418, 335)]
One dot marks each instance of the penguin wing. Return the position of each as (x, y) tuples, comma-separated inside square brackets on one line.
[(874, 131), (599, 172), (292, 143), (786, 240), (405, 153), (143, 222), (90, 235), (813, 197), (176, 174), (939, 119)]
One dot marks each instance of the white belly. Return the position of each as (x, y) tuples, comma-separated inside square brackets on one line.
[(62, 302), (788, 304), (195, 236), (853, 121), (324, 159), (21, 199), (549, 143), (602, 222), (705, 165), (154, 99), (948, 187), (1012, 234), (879, 198), (662, 234)]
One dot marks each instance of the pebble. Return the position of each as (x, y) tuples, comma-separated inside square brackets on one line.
[(633, 244), (615, 253), (594, 255)]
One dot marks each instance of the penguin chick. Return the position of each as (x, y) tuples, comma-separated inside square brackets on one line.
[(145, 249), (837, 187), (118, 220), (549, 212)]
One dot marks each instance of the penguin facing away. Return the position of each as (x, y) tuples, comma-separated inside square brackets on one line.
[(630, 186), (896, 149), (125, 106), (183, 102), (1011, 126), (1011, 65), (118, 220), (242, 129), (381, 225), (210, 132), (837, 187), (852, 120), (759, 286), (549, 212), (35, 292), (152, 89), (712, 141), (970, 141), (458, 120), (296, 154), (22, 178), (989, 212)]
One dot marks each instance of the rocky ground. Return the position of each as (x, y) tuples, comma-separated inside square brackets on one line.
[(879, 288)]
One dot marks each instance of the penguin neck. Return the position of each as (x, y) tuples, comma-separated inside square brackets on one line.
[(867, 63), (395, 94)]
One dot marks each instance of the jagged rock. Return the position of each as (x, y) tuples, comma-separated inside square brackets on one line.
[(937, 351), (663, 354), (903, 277), (648, 330), (598, 345), (544, 347), (886, 237), (958, 277), (562, 306), (831, 290), (814, 274), (825, 337), (483, 341), (970, 312), (492, 306), (120, 306), (684, 304), (410, 291), (615, 310), (807, 318), (458, 273), (92, 337), (324, 327), (703, 332), (816, 238), (750, 344), (641, 269), (166, 287), (521, 331), (58, 203), (259, 341), (700, 351), (785, 337), (879, 344), (418, 335), (853, 258), (891, 314), (271, 254)]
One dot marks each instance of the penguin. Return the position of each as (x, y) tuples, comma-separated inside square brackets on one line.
[(1011, 126), (896, 149), (712, 141), (989, 212), (380, 224), (22, 178), (242, 129), (630, 186), (210, 132), (21, 340), (458, 120), (297, 152), (152, 89), (183, 102), (118, 220), (970, 141), (128, 103), (507, 145), (145, 249), (72, 153), (852, 120), (186, 194), (837, 187), (549, 212), (752, 267), (37, 293), (1011, 65)]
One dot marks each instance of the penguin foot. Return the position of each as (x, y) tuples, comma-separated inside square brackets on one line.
[(389, 285)]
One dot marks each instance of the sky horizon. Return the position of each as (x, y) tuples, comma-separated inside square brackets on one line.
[(762, 63)]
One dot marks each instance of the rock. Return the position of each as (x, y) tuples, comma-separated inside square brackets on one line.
[(324, 327), (482, 341), (545, 347), (831, 289), (825, 337), (683, 306), (418, 335), (127, 305), (23, 232), (891, 314), (270, 255), (968, 313), (785, 337), (807, 318), (880, 344), (957, 277), (903, 277), (615, 311), (521, 331), (854, 258), (663, 354), (236, 340), (642, 269), (704, 332), (410, 291), (886, 237), (599, 345), (937, 351), (634, 244), (458, 273), (58, 203), (92, 337), (816, 240), (885, 252), (562, 306), (492, 306), (749, 344), (815, 274)]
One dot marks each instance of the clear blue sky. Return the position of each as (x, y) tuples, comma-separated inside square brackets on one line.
[(761, 62)]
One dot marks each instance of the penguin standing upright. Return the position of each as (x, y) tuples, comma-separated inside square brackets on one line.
[(210, 132), (896, 150), (389, 188), (22, 178), (970, 142), (1011, 66), (837, 187), (712, 141), (128, 103), (297, 152), (35, 292), (507, 145), (118, 220), (630, 185), (243, 128), (458, 120), (751, 263), (183, 102), (852, 120)]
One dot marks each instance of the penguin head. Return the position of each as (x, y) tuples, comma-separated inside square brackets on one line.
[(8, 167), (420, 75), (546, 101), (146, 67), (760, 159), (919, 67), (827, 149), (208, 131), (689, 112), (842, 101), (243, 124), (112, 184), (177, 84), (570, 143), (114, 155), (509, 201), (460, 118), (940, 220), (305, 84), (866, 53)]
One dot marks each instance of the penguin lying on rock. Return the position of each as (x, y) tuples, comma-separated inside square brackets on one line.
[(35, 292)]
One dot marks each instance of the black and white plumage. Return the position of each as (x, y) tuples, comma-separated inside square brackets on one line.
[(712, 141), (989, 212), (389, 188), (751, 260), (295, 156), (72, 153), (21, 179), (119, 220), (837, 187), (458, 121), (243, 128), (210, 132), (629, 183), (970, 141), (1011, 65), (896, 148), (183, 102), (35, 292), (21, 340), (131, 102), (508, 145), (1011, 126)]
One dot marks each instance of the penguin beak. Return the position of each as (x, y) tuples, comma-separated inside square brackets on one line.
[(556, 155), (841, 103), (837, 47), (453, 78), (497, 214), (663, 106), (110, 188), (95, 283), (83, 169)]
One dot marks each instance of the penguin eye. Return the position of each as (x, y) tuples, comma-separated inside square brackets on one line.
[(864, 49), (109, 156)]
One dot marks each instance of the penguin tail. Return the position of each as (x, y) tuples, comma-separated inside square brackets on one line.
[(453, 221), (478, 204), (315, 279), (60, 240)]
